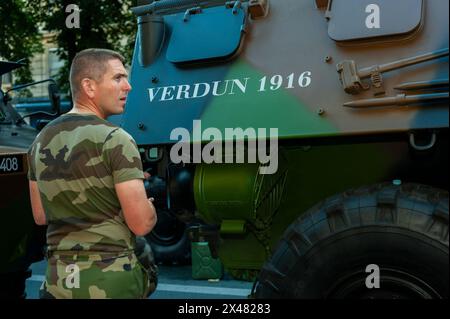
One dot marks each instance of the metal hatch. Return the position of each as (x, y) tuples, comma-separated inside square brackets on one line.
[(204, 34), (351, 20)]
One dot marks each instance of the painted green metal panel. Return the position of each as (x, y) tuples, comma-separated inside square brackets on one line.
[(285, 76)]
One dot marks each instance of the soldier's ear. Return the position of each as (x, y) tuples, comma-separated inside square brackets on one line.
[(88, 87)]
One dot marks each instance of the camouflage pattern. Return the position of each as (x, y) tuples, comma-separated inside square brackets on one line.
[(99, 277), (302, 107), (285, 70), (76, 160)]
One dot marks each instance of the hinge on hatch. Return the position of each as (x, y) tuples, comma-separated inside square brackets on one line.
[(257, 8), (235, 5), (190, 12)]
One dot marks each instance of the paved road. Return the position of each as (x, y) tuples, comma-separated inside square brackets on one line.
[(175, 282)]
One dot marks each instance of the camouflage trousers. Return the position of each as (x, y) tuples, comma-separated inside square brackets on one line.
[(91, 276)]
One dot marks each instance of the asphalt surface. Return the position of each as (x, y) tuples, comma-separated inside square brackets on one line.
[(174, 282)]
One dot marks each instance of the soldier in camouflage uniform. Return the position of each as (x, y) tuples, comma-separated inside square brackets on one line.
[(86, 183)]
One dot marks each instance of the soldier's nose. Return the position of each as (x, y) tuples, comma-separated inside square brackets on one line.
[(127, 86)]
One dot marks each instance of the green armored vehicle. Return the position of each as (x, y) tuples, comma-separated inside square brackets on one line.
[(19, 235), (312, 135), (21, 240)]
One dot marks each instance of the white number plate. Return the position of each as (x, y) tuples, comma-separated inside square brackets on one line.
[(11, 164)]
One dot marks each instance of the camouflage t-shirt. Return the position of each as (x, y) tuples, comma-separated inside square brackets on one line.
[(76, 161)]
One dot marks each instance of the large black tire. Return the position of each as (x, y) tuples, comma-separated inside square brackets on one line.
[(169, 240), (401, 229)]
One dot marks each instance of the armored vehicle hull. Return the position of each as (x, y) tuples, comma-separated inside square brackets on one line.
[(350, 97), (21, 241)]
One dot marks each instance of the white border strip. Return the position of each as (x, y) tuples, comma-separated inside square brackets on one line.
[(185, 288), (204, 290)]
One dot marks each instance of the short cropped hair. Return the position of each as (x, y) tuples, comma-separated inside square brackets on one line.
[(90, 63)]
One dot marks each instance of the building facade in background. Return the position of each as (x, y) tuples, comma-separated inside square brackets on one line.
[(43, 66)]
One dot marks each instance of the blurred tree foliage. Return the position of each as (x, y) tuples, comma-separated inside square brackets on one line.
[(20, 36), (106, 24)]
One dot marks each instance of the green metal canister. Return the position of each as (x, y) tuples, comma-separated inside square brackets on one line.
[(204, 265)]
